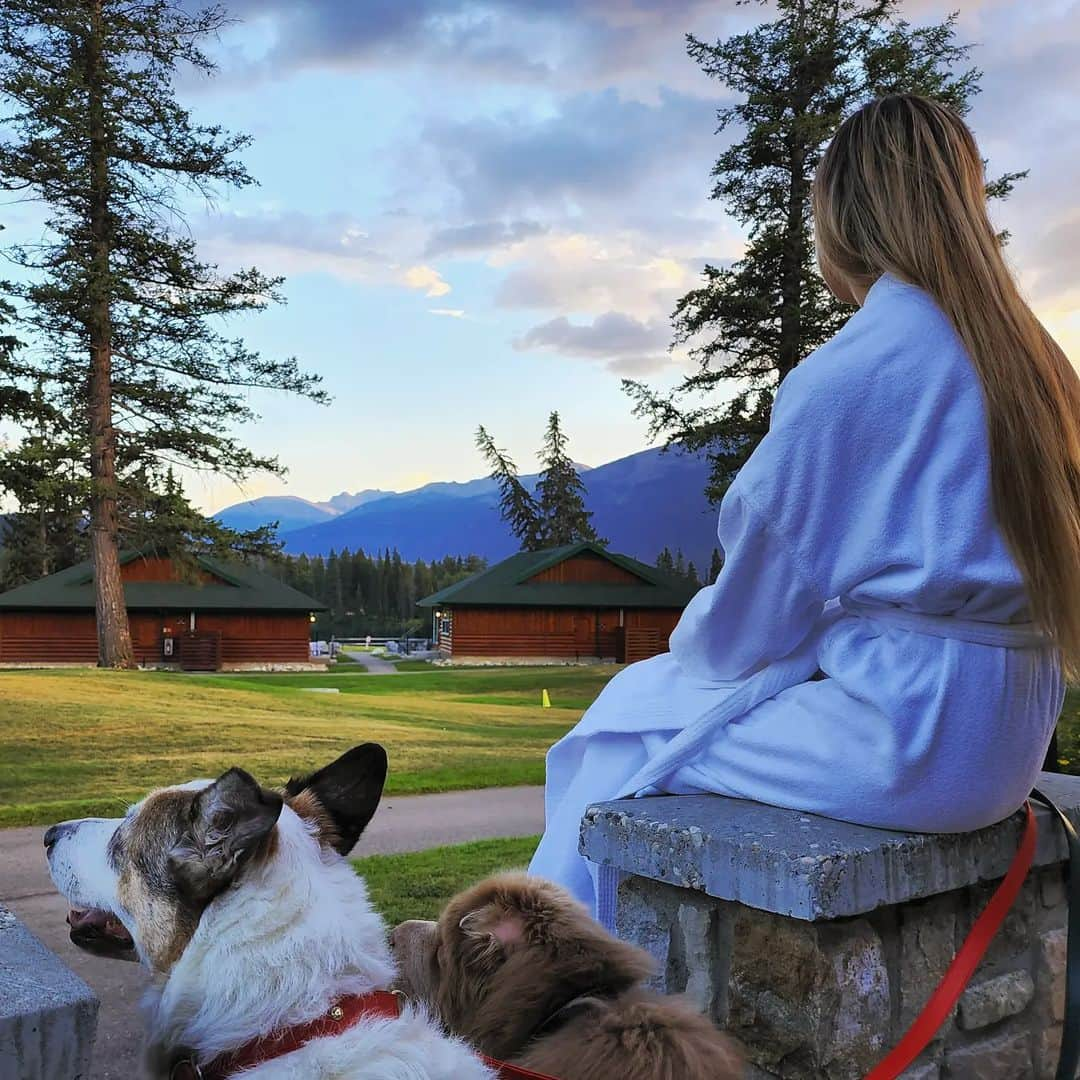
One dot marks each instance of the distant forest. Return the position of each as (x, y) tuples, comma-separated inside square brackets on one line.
[(368, 594), (377, 595)]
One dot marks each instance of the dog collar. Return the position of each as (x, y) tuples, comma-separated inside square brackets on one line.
[(505, 1071), (341, 1016)]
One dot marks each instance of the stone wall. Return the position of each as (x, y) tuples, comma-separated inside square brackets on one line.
[(48, 1016), (827, 996)]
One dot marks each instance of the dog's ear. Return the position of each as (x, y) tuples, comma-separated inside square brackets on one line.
[(348, 791), (494, 925), (229, 821)]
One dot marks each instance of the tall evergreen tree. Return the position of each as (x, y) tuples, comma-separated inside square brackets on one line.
[(794, 79), (127, 317), (716, 564), (516, 504), (561, 493), (46, 533), (154, 514), (555, 514)]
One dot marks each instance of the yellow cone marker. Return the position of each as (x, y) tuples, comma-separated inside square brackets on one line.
[(545, 701)]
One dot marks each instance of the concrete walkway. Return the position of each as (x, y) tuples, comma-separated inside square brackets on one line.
[(410, 823), (375, 665)]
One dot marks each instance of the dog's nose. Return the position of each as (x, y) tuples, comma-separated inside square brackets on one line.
[(54, 832)]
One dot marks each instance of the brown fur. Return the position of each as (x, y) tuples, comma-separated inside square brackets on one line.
[(511, 952), (307, 805)]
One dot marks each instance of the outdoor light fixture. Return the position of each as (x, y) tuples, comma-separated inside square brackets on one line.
[(311, 618)]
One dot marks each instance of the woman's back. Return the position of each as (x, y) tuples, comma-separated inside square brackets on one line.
[(876, 469)]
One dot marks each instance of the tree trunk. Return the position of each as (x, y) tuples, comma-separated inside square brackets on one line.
[(113, 631), (791, 283), (43, 539)]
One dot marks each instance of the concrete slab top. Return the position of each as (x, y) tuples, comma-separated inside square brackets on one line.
[(805, 866), (33, 979)]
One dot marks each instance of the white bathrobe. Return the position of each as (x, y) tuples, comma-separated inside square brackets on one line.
[(865, 653)]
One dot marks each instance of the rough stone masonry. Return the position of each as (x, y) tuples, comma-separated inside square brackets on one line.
[(816, 942)]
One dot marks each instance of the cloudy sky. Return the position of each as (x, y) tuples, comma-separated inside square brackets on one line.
[(486, 210)]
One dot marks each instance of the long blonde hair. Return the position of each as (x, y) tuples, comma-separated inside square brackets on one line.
[(901, 190)]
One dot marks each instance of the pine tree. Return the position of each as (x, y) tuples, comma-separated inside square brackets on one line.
[(561, 494), (665, 561), (716, 564), (517, 506), (794, 80), (555, 515), (45, 533), (126, 316), (154, 514)]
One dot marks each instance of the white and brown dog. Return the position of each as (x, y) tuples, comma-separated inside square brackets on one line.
[(271, 952)]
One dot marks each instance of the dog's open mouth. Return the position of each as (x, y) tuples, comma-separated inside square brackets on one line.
[(101, 933)]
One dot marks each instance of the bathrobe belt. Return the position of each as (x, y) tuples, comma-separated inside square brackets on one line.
[(1003, 635), (799, 666)]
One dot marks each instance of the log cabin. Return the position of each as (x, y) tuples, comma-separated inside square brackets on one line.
[(573, 603), (205, 615)]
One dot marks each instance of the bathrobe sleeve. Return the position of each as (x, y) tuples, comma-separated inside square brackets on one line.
[(759, 608), (857, 478)]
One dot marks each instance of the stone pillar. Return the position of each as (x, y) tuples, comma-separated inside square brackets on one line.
[(816, 942), (48, 1016)]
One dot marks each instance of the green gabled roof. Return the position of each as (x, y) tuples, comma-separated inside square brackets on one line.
[(507, 584), (242, 588)]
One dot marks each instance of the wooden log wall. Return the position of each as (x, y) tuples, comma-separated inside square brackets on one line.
[(560, 633), (64, 637)]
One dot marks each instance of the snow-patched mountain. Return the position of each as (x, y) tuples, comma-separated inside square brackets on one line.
[(641, 504)]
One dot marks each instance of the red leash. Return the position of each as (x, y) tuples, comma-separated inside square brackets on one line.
[(937, 1009)]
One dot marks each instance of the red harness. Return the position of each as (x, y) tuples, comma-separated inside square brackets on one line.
[(341, 1016)]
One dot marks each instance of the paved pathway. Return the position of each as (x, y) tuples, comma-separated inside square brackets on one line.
[(401, 824), (375, 665)]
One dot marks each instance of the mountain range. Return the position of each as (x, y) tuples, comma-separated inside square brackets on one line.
[(641, 504)]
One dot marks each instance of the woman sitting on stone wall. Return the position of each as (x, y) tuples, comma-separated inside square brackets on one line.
[(901, 589)]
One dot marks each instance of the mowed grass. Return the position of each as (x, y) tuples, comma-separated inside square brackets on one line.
[(418, 885), (87, 743), (80, 743), (1069, 734)]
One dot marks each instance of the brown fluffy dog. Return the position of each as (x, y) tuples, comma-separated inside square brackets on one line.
[(516, 967)]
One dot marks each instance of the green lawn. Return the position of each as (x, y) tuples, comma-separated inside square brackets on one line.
[(1069, 734), (84, 742), (418, 885), (77, 743)]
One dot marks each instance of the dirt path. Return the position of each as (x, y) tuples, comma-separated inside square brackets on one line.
[(410, 823)]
